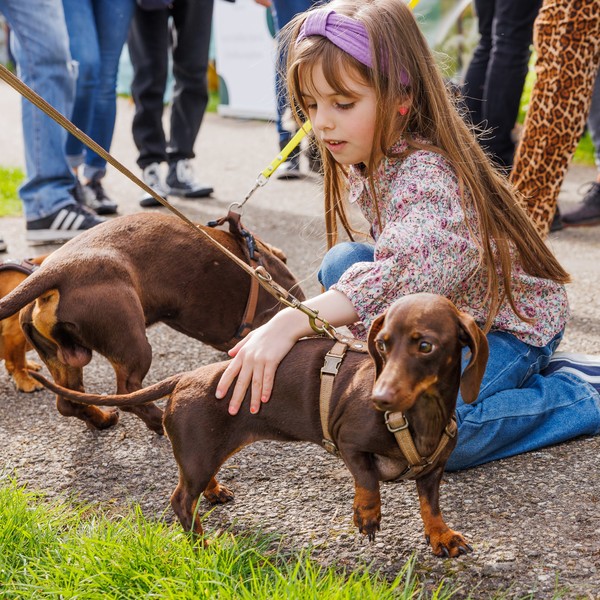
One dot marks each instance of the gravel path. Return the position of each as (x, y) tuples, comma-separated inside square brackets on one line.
[(533, 520)]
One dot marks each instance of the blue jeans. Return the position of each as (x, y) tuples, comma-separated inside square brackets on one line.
[(97, 32), (517, 409), (40, 45), (283, 12), (496, 74)]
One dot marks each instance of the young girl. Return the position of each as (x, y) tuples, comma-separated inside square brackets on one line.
[(442, 221)]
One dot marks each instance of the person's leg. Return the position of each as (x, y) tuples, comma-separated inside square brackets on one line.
[(341, 257), (587, 212), (512, 34), (40, 46), (192, 21), (83, 43), (283, 12), (112, 20), (518, 409), (567, 41), (475, 77), (148, 44), (594, 122)]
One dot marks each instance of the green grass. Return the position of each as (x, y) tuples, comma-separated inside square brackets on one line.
[(63, 550), (10, 179)]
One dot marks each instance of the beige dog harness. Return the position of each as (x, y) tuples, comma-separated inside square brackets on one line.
[(396, 422)]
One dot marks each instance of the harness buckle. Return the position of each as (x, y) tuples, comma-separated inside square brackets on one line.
[(390, 426), (332, 364)]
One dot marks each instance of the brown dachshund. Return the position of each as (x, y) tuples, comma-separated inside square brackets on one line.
[(416, 350), (101, 290), (13, 345)]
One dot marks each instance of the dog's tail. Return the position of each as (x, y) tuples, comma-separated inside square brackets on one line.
[(27, 291), (144, 396)]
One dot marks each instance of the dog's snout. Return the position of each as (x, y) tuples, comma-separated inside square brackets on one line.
[(383, 398)]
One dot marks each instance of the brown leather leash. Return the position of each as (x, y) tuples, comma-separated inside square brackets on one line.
[(396, 422), (318, 324)]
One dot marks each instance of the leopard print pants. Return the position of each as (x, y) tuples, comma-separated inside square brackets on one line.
[(567, 42)]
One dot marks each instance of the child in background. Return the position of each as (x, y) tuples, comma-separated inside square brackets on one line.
[(442, 221)]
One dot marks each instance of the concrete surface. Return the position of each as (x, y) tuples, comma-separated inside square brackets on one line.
[(533, 520)]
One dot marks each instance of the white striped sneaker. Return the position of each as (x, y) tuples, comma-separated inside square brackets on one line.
[(584, 366), (62, 225)]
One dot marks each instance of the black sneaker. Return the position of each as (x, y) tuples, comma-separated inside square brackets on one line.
[(62, 225), (3, 246), (97, 199), (151, 177), (180, 181), (557, 222), (588, 211)]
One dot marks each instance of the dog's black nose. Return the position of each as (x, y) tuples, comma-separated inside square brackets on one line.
[(382, 400)]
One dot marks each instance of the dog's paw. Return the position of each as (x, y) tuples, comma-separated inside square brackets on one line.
[(26, 384), (103, 419), (33, 366), (367, 519), (448, 544), (218, 495)]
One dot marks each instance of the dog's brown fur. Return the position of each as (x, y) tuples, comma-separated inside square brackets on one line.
[(416, 349), (101, 290), (13, 345)]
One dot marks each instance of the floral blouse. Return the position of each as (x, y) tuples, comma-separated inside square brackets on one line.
[(425, 245)]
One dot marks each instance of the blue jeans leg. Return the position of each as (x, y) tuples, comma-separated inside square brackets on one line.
[(40, 45), (518, 409), (97, 31), (283, 12), (339, 258)]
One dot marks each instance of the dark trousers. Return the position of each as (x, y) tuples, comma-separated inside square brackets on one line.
[(185, 29), (496, 75)]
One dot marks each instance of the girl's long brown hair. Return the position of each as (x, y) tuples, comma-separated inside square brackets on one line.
[(398, 47)]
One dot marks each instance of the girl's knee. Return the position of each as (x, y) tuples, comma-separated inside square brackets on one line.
[(339, 258)]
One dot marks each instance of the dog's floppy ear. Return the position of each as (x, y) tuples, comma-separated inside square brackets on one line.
[(373, 331), (474, 338)]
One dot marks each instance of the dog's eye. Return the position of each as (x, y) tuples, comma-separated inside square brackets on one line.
[(381, 346), (425, 347)]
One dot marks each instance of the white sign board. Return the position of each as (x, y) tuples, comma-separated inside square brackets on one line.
[(245, 52)]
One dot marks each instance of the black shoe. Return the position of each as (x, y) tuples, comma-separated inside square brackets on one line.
[(180, 181), (3, 246), (62, 225), (97, 199), (588, 211), (557, 222)]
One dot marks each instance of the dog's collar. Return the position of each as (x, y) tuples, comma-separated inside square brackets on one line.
[(396, 422), (25, 266)]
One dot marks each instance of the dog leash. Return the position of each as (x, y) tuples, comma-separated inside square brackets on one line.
[(317, 323)]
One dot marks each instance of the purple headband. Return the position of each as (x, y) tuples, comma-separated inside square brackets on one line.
[(344, 32)]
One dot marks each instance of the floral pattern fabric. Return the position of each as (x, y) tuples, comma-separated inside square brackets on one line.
[(425, 245)]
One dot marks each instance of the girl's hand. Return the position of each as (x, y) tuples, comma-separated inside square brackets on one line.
[(255, 360)]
